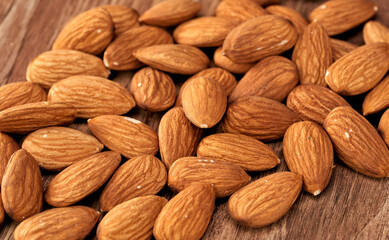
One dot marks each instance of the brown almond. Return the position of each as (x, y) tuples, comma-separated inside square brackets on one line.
[(273, 77), (340, 48), (7, 147), (170, 13), (89, 32), (133, 219), (308, 151), (261, 118), (52, 66), (21, 187), (265, 200), (92, 96), (123, 18), (357, 142), (177, 136), (360, 70), (20, 93), (153, 90), (374, 31), (377, 99), (186, 215), (118, 55), (242, 150), (313, 55), (314, 102), (383, 127), (224, 62), (241, 10), (58, 223), (259, 38), (292, 15), (139, 176)]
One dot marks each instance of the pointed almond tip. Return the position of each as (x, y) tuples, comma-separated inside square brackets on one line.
[(279, 161), (317, 192)]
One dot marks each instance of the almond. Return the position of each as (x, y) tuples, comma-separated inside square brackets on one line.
[(360, 70), (204, 31), (244, 151), (153, 90), (340, 48), (357, 142), (265, 200), (58, 223), (89, 32), (20, 93), (173, 58), (273, 77), (81, 179), (377, 99), (374, 31), (123, 18), (118, 55), (308, 151), (342, 15), (292, 15), (186, 216), (313, 54), (241, 10), (32, 116), (383, 127), (128, 136), (314, 102), (224, 176), (21, 187), (139, 176), (261, 118), (178, 137), (7, 147), (258, 38), (92, 96), (224, 62), (133, 219), (170, 13), (204, 102), (52, 66)]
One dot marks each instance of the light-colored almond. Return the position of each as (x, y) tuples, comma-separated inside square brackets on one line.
[(123, 18), (340, 48), (374, 31), (241, 10), (377, 99), (20, 93), (224, 62), (7, 147), (383, 127), (292, 15)]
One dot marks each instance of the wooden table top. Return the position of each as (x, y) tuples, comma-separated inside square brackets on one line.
[(351, 207)]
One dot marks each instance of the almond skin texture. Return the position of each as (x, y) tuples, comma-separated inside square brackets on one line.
[(357, 142), (374, 31), (244, 151), (125, 135), (204, 102), (377, 99), (225, 78), (360, 70), (204, 31), (383, 127), (118, 55), (89, 32), (313, 55), (92, 96), (123, 18), (258, 117), (292, 15), (342, 15), (21, 187), (314, 102), (177, 136), (81, 179), (20, 93), (265, 200), (224, 62), (241, 10), (186, 215), (170, 13), (133, 219), (7, 147), (139, 176), (273, 77), (153, 90), (259, 38), (52, 66), (68, 223), (340, 48), (32, 116), (224, 176), (308, 151), (173, 58)]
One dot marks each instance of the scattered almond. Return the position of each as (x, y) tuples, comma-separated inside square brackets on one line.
[(377, 99), (374, 31), (8, 146), (383, 127), (292, 15), (241, 10), (20, 93), (224, 62), (340, 48), (123, 18)]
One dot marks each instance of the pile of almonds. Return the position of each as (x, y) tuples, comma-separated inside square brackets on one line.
[(249, 40)]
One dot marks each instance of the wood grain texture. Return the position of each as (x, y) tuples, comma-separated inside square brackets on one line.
[(352, 206)]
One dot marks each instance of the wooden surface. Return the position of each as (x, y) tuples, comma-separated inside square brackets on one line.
[(352, 207)]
